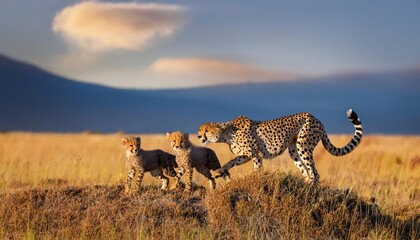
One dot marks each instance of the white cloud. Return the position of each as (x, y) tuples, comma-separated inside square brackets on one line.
[(215, 70), (100, 26)]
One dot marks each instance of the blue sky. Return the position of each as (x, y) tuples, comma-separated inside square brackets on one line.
[(176, 44)]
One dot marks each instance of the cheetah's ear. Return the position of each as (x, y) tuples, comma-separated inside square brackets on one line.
[(124, 140), (168, 135), (138, 139), (186, 136)]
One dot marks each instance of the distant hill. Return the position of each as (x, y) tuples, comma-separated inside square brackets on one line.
[(32, 99)]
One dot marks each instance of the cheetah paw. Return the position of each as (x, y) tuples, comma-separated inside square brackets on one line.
[(222, 173)]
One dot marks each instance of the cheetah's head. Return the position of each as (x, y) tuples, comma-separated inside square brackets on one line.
[(131, 145), (178, 140), (209, 132)]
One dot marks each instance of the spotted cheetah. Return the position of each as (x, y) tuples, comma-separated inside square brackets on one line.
[(139, 161), (255, 140), (189, 156)]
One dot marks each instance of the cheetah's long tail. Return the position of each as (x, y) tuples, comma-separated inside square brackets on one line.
[(358, 133)]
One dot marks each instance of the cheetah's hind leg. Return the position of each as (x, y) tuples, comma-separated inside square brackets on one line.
[(205, 171), (297, 160), (306, 157), (158, 173)]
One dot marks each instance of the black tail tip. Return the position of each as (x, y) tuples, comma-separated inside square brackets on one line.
[(353, 116)]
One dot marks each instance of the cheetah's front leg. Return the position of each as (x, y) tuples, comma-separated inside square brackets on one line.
[(223, 171), (140, 175), (128, 181), (258, 162), (188, 183), (180, 172)]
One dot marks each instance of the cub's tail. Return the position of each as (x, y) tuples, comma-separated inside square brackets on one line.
[(358, 133)]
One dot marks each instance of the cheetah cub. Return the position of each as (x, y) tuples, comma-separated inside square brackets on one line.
[(139, 161), (189, 156)]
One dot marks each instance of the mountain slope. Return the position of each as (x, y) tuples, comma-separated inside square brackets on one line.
[(34, 100)]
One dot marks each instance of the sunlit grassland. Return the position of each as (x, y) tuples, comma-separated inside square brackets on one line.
[(386, 168)]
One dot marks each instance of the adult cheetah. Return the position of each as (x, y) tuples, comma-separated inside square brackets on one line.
[(255, 140)]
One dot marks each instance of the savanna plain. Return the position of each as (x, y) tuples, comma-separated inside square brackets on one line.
[(71, 186)]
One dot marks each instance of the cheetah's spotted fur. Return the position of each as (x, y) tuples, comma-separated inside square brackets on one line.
[(189, 157), (255, 140), (139, 161)]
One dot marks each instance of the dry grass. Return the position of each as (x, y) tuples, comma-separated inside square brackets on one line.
[(267, 205), (100, 212), (384, 169), (263, 205)]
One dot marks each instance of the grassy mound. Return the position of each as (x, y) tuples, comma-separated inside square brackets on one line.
[(262, 205), (278, 206), (100, 212)]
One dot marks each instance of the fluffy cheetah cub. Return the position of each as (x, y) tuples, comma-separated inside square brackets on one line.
[(139, 161), (189, 156)]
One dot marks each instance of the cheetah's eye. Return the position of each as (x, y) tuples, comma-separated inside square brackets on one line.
[(131, 145)]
